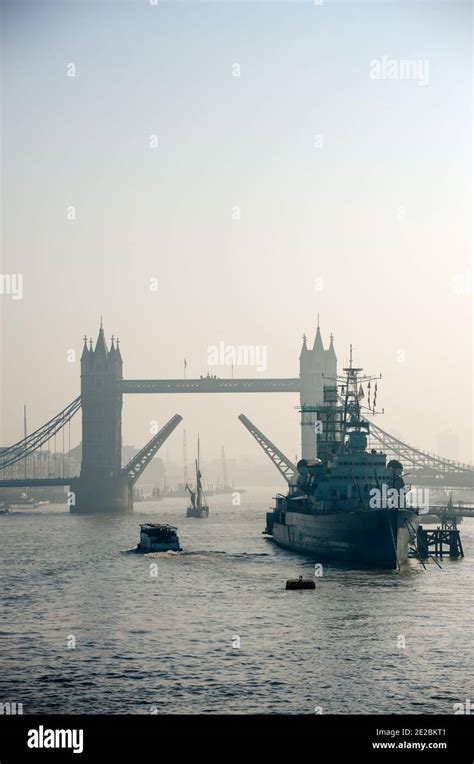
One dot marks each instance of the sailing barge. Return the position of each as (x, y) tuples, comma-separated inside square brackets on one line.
[(198, 506)]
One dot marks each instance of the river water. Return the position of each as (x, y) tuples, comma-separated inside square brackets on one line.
[(87, 626)]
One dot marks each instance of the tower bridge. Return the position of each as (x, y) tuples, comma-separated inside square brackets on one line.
[(103, 485)]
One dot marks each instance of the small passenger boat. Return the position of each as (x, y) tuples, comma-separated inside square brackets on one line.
[(155, 537)]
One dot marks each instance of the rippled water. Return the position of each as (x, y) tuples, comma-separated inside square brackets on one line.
[(164, 644)]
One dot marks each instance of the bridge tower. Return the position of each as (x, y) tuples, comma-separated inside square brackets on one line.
[(101, 486), (313, 364)]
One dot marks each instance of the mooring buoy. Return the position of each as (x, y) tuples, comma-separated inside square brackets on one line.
[(300, 583)]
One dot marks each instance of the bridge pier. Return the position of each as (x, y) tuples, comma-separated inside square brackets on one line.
[(104, 495)]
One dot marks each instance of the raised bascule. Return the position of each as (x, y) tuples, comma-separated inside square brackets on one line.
[(104, 486)]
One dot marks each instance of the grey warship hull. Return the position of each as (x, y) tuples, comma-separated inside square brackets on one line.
[(378, 538)]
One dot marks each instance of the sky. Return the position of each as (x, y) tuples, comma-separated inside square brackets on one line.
[(241, 157)]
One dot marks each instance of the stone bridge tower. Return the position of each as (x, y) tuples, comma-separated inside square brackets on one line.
[(101, 486), (313, 364)]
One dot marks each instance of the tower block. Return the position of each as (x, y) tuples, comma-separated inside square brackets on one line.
[(101, 486), (313, 364)]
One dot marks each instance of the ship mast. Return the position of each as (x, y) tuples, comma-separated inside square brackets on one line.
[(340, 412), (352, 392), (199, 491), (352, 389), (185, 459)]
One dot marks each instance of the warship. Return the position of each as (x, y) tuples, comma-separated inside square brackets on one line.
[(348, 504)]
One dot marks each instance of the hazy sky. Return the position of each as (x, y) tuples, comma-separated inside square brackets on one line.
[(368, 224)]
